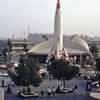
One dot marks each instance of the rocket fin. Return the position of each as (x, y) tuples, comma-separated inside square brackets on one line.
[(65, 52), (50, 55)]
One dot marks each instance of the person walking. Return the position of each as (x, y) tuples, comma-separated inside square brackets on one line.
[(58, 90), (42, 93), (74, 88), (19, 93), (53, 91), (49, 92), (88, 86), (3, 83), (23, 91), (9, 89)]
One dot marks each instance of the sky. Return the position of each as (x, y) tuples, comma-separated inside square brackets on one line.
[(79, 16)]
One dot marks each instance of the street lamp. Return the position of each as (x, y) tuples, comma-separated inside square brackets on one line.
[(75, 59)]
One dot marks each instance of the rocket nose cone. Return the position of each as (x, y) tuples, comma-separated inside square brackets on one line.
[(58, 5)]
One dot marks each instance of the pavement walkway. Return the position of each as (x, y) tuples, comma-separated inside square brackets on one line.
[(79, 95), (95, 95)]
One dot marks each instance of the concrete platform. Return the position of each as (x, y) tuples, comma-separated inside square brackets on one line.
[(79, 95), (29, 95), (95, 95)]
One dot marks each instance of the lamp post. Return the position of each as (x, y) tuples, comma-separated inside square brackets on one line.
[(81, 60), (75, 59)]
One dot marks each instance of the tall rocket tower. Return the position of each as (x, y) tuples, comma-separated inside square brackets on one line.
[(58, 51), (58, 32)]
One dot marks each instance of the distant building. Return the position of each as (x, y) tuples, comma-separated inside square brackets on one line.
[(18, 45)]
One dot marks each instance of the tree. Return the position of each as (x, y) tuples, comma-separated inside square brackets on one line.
[(9, 43), (27, 72), (98, 64), (98, 68), (88, 61), (25, 45), (94, 50), (5, 53), (5, 50), (62, 70)]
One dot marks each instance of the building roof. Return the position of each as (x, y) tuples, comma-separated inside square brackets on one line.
[(21, 43), (73, 47), (47, 37), (80, 41)]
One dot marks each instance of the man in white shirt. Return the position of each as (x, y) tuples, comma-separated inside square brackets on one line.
[(49, 92)]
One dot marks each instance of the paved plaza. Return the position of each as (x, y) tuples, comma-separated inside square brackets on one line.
[(79, 95)]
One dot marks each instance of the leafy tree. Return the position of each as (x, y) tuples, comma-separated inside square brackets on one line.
[(62, 70), (9, 43), (27, 72), (5, 53), (98, 64), (25, 46), (94, 50), (5, 50), (88, 61)]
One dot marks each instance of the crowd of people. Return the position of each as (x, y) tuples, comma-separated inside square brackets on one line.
[(52, 91)]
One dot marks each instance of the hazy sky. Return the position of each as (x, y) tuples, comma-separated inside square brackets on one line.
[(79, 16)]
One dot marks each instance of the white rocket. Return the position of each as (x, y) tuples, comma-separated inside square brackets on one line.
[(58, 50)]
